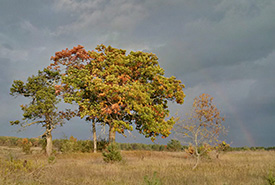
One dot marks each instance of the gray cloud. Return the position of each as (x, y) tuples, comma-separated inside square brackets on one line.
[(238, 35)]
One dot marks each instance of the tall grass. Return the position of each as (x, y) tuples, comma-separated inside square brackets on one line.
[(137, 167)]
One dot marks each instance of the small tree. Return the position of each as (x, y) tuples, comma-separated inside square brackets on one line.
[(201, 128), (112, 154), (42, 108)]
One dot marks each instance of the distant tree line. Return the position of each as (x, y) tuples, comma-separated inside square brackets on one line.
[(73, 145)]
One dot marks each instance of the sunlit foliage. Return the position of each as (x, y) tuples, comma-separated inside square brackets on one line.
[(42, 108), (117, 89)]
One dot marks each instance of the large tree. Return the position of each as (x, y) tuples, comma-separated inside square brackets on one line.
[(119, 90), (201, 127), (42, 108)]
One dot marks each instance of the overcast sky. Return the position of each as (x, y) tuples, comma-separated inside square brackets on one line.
[(222, 47)]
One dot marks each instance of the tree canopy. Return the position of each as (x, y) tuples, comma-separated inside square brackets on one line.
[(42, 108), (117, 89)]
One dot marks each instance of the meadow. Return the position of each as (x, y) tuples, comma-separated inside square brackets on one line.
[(137, 167)]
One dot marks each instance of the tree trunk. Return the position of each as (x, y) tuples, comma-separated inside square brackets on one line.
[(49, 147), (197, 161), (112, 134), (197, 154), (94, 136)]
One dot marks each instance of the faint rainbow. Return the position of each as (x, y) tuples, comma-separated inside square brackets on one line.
[(221, 94)]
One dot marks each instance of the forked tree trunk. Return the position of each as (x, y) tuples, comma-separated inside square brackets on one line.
[(49, 146), (197, 155), (197, 162), (112, 134), (94, 136)]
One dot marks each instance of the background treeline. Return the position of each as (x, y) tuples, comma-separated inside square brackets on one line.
[(73, 145)]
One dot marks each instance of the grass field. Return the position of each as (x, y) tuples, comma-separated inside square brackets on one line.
[(137, 167)]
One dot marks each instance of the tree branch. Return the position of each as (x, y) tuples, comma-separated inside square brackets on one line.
[(32, 123)]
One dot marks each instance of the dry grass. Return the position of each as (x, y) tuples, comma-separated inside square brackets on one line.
[(247, 167)]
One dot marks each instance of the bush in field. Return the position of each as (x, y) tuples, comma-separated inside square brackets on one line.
[(124, 146), (57, 143), (19, 171), (85, 146), (222, 147), (69, 145), (34, 141), (74, 145), (155, 147), (174, 145), (137, 146), (3, 140), (101, 144), (112, 154), (12, 141), (63, 145), (153, 181), (26, 146), (270, 148), (9, 141), (161, 147), (51, 159), (42, 143), (66, 146), (146, 147), (270, 179)]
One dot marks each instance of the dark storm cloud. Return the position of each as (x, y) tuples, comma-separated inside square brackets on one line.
[(239, 34), (4, 77), (224, 48)]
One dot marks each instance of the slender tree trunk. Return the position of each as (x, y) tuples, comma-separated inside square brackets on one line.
[(94, 136), (49, 146), (112, 134), (197, 154), (197, 161)]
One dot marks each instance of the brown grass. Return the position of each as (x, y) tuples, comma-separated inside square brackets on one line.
[(246, 167)]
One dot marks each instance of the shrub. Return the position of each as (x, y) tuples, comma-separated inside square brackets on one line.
[(51, 159), (69, 145), (85, 146), (35, 142), (16, 171), (57, 143), (26, 146), (174, 145), (124, 146), (112, 154), (223, 146), (155, 147), (137, 146), (270, 148), (270, 179), (3, 140), (153, 181), (101, 144), (161, 147), (43, 143)]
